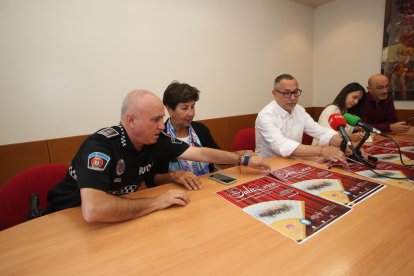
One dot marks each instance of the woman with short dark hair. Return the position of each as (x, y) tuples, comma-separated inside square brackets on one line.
[(180, 100)]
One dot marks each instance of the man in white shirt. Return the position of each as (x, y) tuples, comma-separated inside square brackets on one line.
[(281, 124)]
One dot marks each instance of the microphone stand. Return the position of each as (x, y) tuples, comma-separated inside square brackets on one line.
[(366, 136), (357, 153), (343, 146)]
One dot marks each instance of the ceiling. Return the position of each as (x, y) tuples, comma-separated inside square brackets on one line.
[(313, 3)]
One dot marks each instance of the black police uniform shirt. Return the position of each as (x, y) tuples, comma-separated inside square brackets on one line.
[(109, 162)]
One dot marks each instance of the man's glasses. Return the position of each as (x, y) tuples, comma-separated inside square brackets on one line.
[(288, 94)]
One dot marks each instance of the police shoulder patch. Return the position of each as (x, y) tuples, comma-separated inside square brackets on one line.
[(98, 161), (174, 140), (108, 132)]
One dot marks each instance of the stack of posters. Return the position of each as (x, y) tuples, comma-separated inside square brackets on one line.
[(389, 168), (389, 173), (390, 155), (300, 200)]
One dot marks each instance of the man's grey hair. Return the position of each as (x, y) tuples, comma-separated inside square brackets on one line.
[(279, 78), (126, 103)]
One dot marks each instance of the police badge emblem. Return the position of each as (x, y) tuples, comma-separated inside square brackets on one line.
[(120, 167)]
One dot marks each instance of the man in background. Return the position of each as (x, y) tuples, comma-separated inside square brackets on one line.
[(379, 106)]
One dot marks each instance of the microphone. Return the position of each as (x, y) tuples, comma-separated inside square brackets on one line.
[(354, 120), (338, 123)]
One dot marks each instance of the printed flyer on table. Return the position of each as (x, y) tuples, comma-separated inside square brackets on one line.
[(294, 213), (388, 173), (343, 189), (390, 155), (388, 144)]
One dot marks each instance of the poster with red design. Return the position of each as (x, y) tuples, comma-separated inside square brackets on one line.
[(292, 212), (388, 144), (390, 155), (333, 186), (388, 173)]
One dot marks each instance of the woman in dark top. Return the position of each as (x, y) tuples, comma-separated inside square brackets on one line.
[(180, 100)]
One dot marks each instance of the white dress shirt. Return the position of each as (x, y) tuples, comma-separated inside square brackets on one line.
[(280, 133)]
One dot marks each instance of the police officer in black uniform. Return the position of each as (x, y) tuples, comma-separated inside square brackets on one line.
[(109, 162)]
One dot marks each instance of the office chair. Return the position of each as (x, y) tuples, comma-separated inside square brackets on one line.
[(307, 139), (15, 194), (245, 140)]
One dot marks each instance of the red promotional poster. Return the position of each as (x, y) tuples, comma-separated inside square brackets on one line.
[(392, 174), (388, 144), (390, 155), (333, 186), (292, 212)]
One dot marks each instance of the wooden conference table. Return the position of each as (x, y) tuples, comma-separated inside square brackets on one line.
[(210, 236)]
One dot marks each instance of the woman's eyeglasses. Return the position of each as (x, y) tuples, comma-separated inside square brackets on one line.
[(288, 94)]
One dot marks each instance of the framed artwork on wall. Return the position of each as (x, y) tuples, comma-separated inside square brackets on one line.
[(398, 48)]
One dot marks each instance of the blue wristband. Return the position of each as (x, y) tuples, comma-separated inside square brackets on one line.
[(246, 159)]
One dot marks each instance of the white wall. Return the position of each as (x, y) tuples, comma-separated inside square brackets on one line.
[(347, 47), (66, 65)]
